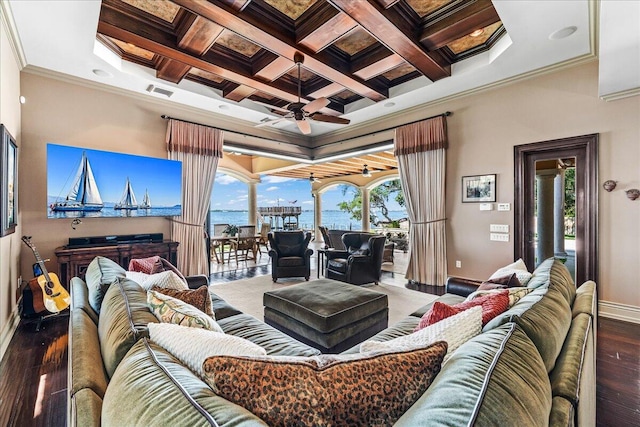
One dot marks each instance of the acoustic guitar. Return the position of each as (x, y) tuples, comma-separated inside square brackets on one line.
[(55, 296)]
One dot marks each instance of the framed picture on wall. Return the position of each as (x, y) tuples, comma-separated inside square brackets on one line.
[(8, 182), (479, 188)]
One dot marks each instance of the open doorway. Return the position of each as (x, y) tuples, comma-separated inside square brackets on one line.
[(544, 173)]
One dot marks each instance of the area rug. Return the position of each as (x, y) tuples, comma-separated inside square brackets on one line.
[(246, 296)]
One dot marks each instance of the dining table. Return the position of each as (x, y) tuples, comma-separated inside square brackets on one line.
[(223, 241)]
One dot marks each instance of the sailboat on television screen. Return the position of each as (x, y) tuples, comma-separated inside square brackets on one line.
[(84, 195), (146, 201), (128, 200)]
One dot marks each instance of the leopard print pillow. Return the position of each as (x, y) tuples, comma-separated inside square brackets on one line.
[(354, 390), (199, 298)]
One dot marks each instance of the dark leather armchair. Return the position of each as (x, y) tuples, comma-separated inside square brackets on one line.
[(360, 263), (290, 255)]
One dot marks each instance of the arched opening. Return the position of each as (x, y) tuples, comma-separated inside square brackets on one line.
[(341, 206)]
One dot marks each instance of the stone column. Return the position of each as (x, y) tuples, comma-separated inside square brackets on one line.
[(544, 227), (558, 214), (365, 208), (317, 214), (253, 203)]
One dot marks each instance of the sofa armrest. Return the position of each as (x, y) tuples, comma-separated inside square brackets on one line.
[(461, 286), (194, 282)]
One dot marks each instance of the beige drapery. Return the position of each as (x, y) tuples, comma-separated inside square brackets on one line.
[(420, 149), (198, 148)]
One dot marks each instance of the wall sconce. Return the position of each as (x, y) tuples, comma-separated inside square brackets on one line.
[(75, 223), (609, 185), (633, 194)]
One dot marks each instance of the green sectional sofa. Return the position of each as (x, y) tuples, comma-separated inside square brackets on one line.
[(532, 365)]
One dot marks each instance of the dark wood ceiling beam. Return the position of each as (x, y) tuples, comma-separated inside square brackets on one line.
[(321, 25), (475, 16), (395, 33), (379, 67), (387, 3), (327, 91), (282, 46), (195, 35), (275, 68), (168, 49), (239, 93)]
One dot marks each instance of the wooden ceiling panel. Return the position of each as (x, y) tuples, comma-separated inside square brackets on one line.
[(162, 9), (468, 42), (350, 49)]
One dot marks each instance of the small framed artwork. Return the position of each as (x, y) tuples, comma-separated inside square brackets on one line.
[(8, 183), (479, 188)]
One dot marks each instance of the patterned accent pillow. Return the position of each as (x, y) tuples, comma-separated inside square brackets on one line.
[(455, 330), (166, 279), (351, 390), (199, 298), (193, 345), (171, 310), (508, 281), (492, 305), (515, 294), (148, 265), (518, 267)]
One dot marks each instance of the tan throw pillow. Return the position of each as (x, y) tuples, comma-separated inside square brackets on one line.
[(171, 310), (354, 390), (193, 345), (166, 279), (199, 298), (518, 267)]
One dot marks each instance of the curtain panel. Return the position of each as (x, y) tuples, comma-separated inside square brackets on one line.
[(198, 148), (421, 152)]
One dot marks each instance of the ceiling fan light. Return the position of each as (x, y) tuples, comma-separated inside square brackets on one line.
[(365, 172)]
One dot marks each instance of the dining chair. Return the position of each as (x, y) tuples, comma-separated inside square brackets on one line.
[(243, 243), (263, 240), (216, 245)]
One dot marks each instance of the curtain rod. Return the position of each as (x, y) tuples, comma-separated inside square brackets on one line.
[(445, 114)]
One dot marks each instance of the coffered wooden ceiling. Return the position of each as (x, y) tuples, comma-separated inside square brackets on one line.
[(244, 49)]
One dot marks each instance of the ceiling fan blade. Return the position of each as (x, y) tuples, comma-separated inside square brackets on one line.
[(316, 105), (329, 119), (304, 126), (272, 107)]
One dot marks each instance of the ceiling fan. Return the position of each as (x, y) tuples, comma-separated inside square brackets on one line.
[(302, 113), (313, 179)]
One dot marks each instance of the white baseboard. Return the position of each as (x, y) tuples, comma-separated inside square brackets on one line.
[(614, 310), (8, 331)]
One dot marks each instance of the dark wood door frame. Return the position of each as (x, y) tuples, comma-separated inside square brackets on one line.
[(585, 149)]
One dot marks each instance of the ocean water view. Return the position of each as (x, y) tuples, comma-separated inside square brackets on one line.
[(333, 219)]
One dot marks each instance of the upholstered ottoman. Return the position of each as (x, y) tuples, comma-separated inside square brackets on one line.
[(329, 315)]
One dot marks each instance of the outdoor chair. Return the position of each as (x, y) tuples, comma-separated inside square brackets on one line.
[(263, 240), (290, 254), (360, 263), (244, 243), (218, 229)]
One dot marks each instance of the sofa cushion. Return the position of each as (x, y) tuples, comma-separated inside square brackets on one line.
[(172, 310), (149, 373), (80, 298), (586, 300), (267, 337), (555, 275), (291, 261), (86, 409), (101, 272), (562, 413), (492, 305), (402, 328), (193, 345), (455, 330), (199, 298), (545, 316), (354, 390), (503, 282), (222, 308), (495, 379), (518, 267), (565, 377), (84, 355), (123, 321)]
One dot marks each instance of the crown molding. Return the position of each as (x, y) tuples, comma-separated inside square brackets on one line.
[(621, 95), (6, 16)]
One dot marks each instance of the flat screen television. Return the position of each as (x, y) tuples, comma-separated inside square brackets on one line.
[(85, 183)]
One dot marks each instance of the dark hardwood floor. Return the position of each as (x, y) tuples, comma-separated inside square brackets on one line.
[(33, 372)]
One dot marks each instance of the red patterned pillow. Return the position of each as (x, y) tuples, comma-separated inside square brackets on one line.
[(149, 265), (492, 305)]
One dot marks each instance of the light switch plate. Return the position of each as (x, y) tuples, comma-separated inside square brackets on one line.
[(499, 237), (499, 228), (486, 206), (504, 206)]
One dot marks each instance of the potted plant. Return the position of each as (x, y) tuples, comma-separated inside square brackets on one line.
[(231, 230)]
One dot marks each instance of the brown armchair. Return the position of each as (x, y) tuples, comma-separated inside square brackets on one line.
[(360, 263), (290, 255)]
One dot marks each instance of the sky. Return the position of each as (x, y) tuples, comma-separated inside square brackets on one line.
[(231, 194), (161, 177)]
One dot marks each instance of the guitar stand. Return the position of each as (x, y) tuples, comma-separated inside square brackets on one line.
[(41, 318)]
